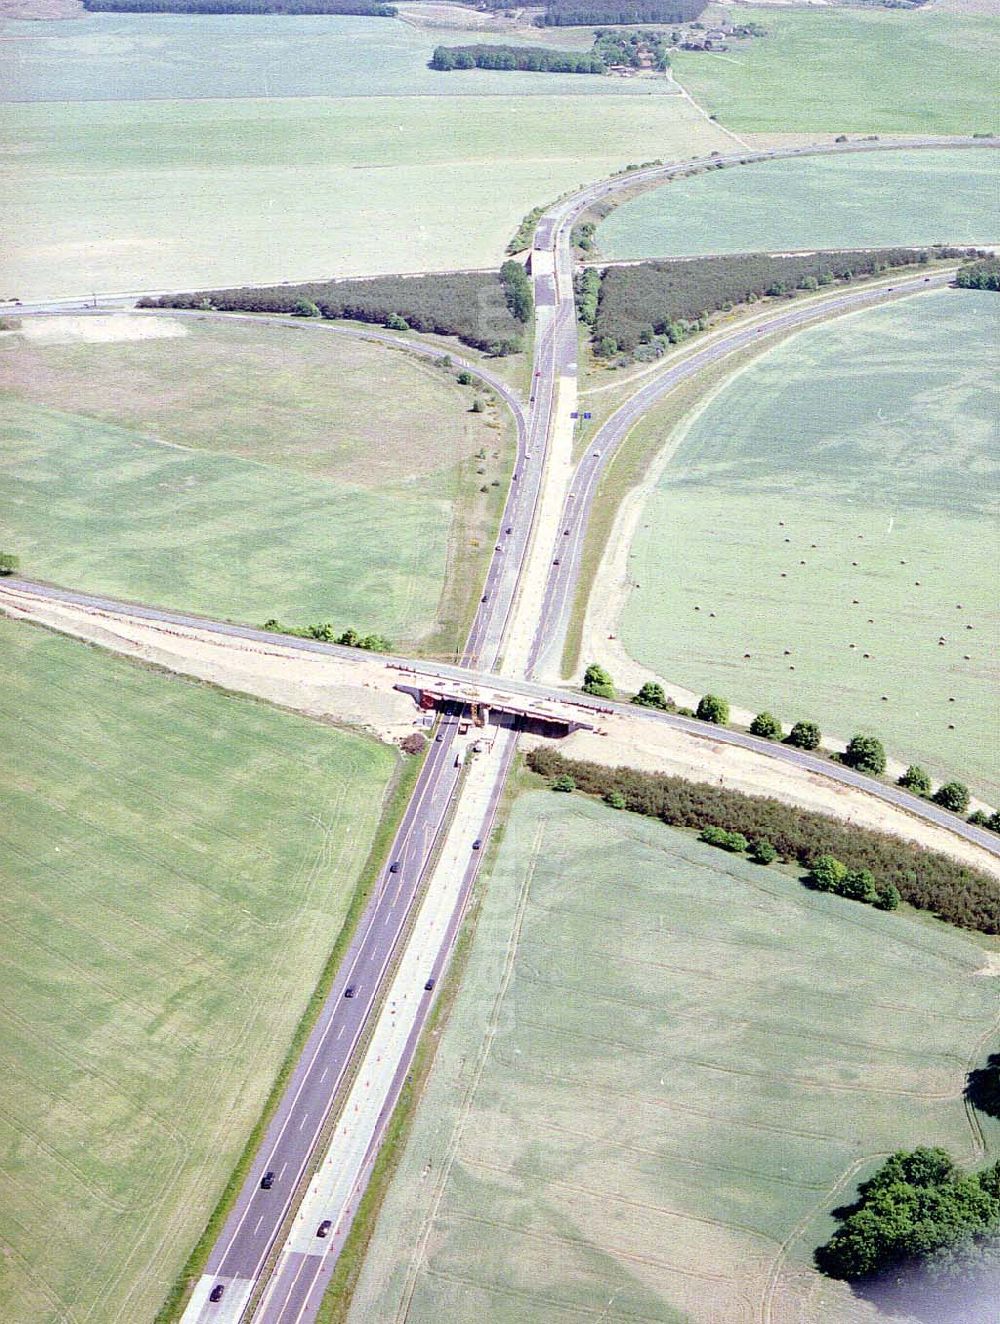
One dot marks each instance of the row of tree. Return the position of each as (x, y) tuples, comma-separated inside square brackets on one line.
[(638, 304), (592, 13), (533, 59), (828, 874), (919, 1213), (475, 306), (517, 291), (865, 753), (366, 8), (325, 633), (924, 879), (983, 275)]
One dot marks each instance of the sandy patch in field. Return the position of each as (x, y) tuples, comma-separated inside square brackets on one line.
[(635, 742), (354, 693), (99, 330)]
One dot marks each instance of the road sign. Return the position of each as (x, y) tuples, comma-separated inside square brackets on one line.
[(574, 414), (586, 415)]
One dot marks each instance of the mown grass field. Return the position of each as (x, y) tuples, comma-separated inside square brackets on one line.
[(663, 1069), (878, 200), (853, 71), (837, 500), (176, 866), (168, 194), (251, 472)]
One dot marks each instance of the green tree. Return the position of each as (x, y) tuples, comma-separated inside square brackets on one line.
[(615, 800), (858, 885), (478, 407), (865, 754), (464, 378), (597, 681), (916, 780), (762, 852), (305, 308), (9, 563), (767, 726), (396, 323), (886, 896), (827, 873), (805, 735), (735, 842), (713, 709), (651, 695), (564, 782), (953, 796)]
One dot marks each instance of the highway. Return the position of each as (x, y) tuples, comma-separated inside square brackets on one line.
[(411, 884)]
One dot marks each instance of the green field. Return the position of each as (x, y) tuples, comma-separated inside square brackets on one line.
[(879, 200), (853, 71), (837, 500), (664, 1067), (167, 194), (153, 973), (249, 472)]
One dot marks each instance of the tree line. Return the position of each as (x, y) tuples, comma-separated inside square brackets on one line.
[(666, 301), (983, 275), (475, 306), (366, 8), (535, 59), (925, 879), (326, 634), (923, 1222), (587, 13)]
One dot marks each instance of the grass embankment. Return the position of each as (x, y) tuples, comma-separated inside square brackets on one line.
[(816, 506), (253, 471), (664, 1066), (852, 71), (177, 864)]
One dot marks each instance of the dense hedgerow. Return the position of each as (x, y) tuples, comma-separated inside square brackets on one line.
[(366, 8), (584, 13), (657, 298), (533, 59), (984, 275), (925, 879), (475, 306)]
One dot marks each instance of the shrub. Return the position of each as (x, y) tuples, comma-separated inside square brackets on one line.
[(465, 378), (916, 780), (597, 681), (762, 852), (865, 754), (713, 709), (979, 818), (767, 726), (886, 896), (305, 308), (396, 323), (925, 879), (615, 799), (564, 783), (9, 563), (858, 885), (827, 874), (652, 696), (731, 841), (953, 796), (805, 735)]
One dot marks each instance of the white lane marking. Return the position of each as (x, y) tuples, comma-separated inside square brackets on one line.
[(305, 1118), (258, 1223), (282, 1172), (341, 1031), (324, 1075)]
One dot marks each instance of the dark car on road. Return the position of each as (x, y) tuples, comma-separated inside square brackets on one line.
[(349, 991), (394, 867), (267, 1181), (324, 1228), (429, 985), (216, 1293), (477, 843)]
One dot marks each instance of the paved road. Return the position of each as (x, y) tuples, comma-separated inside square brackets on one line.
[(254, 1223), (421, 667), (569, 547)]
